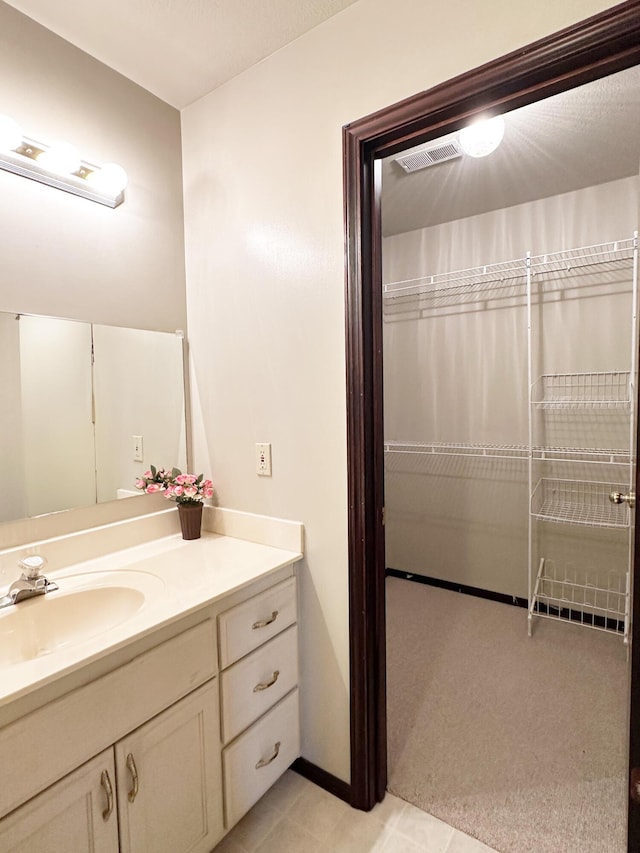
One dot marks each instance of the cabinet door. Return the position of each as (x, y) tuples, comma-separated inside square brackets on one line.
[(76, 814), (169, 779)]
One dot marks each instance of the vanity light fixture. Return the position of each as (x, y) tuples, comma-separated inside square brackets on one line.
[(59, 165), (482, 137)]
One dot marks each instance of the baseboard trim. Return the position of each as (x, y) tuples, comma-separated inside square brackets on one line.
[(489, 594), (323, 779)]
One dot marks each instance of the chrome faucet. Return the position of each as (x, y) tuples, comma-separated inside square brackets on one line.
[(30, 583)]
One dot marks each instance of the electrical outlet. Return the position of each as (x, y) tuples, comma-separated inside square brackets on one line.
[(137, 448), (263, 460)]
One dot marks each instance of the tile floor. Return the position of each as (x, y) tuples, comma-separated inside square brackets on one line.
[(296, 816)]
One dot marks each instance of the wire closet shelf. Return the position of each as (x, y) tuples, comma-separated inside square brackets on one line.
[(505, 274), (606, 390), (596, 456), (583, 596)]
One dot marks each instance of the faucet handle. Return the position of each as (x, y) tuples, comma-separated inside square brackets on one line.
[(32, 566)]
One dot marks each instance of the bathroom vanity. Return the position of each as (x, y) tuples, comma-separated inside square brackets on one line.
[(161, 730)]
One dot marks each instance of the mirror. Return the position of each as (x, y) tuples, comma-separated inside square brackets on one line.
[(86, 409)]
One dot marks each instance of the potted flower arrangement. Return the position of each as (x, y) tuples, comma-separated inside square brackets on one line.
[(187, 490)]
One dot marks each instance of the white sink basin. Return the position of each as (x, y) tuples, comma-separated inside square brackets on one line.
[(83, 607)]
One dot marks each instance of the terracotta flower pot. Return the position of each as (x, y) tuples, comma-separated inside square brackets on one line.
[(190, 519)]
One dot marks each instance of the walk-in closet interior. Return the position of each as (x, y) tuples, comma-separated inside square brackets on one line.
[(510, 272)]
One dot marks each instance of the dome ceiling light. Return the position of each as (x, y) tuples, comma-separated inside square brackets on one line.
[(482, 137)]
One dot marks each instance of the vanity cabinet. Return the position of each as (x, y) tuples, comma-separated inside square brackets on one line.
[(167, 751), (157, 789), (68, 816)]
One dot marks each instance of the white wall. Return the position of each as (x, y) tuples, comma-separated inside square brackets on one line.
[(265, 280), (63, 255)]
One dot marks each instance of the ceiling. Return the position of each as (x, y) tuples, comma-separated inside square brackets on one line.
[(586, 136), (180, 49)]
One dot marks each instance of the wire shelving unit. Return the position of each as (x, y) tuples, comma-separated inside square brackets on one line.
[(593, 597)]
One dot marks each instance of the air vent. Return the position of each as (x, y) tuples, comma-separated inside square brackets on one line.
[(429, 156)]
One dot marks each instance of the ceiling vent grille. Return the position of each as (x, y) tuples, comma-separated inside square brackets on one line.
[(429, 156)]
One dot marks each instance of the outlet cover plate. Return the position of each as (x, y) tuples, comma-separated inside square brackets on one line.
[(263, 459)]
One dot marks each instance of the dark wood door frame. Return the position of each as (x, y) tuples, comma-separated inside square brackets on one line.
[(594, 48)]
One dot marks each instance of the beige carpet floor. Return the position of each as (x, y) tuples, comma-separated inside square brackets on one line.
[(517, 741)]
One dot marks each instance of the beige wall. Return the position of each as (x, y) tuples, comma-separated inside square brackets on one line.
[(265, 279), (68, 257)]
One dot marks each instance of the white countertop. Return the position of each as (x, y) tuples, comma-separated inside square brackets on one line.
[(178, 577)]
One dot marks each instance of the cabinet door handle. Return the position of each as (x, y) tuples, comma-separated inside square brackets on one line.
[(265, 685), (131, 767), (264, 622), (106, 784), (264, 761)]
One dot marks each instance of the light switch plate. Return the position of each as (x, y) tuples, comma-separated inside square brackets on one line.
[(138, 455)]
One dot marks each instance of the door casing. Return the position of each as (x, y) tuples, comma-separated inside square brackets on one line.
[(601, 45)]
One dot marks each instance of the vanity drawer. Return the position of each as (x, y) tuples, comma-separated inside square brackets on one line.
[(245, 627), (251, 686), (254, 761)]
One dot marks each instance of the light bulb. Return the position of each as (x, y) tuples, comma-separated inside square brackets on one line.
[(482, 137), (10, 134), (61, 157), (111, 178)]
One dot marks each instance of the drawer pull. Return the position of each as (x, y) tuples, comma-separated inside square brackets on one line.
[(264, 622), (131, 767), (264, 761), (265, 685), (106, 784)]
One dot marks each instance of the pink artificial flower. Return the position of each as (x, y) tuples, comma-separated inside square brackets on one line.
[(190, 492), (148, 475), (140, 484), (154, 487), (185, 479), (168, 492), (178, 491), (208, 492)]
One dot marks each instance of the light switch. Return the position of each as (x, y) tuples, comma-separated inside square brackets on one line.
[(137, 448)]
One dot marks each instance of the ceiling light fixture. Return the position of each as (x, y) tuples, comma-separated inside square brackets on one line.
[(59, 165), (482, 137)]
